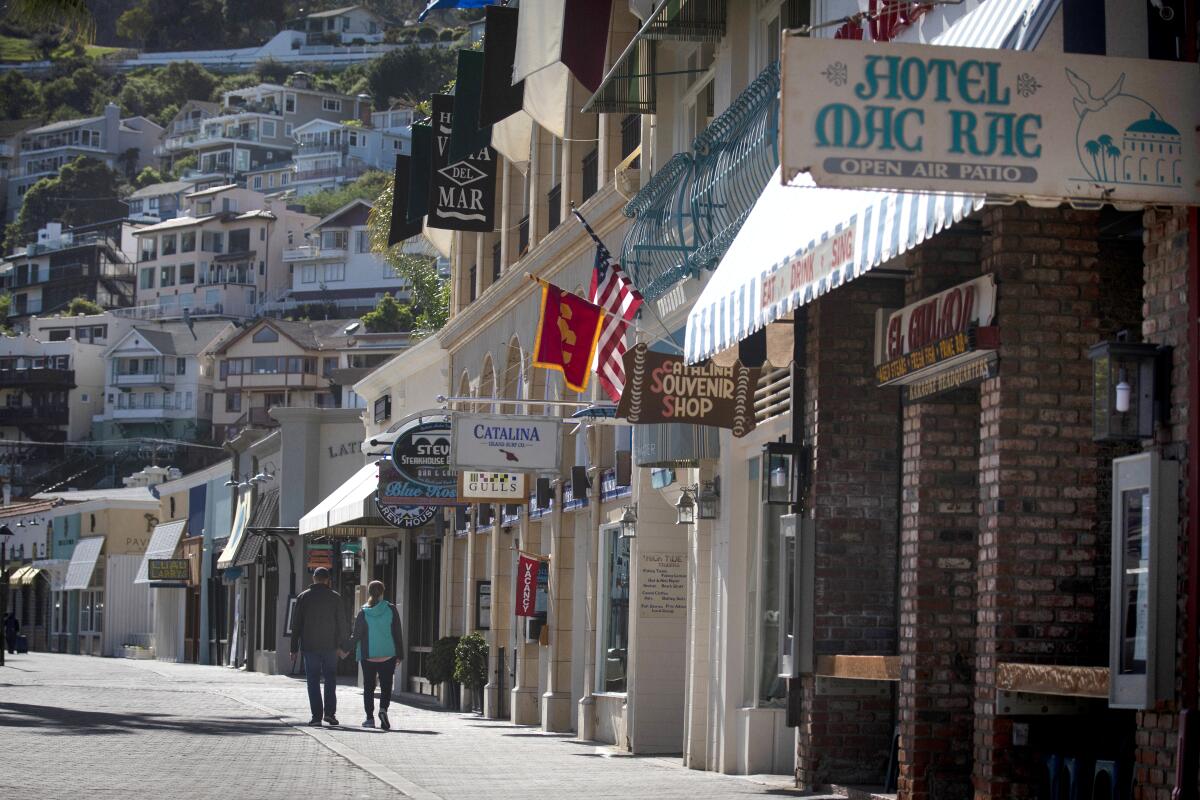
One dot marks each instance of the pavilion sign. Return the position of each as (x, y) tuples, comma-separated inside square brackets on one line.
[(661, 388), (998, 122)]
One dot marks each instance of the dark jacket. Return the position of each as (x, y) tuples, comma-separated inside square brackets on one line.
[(318, 622), (362, 634), (12, 625)]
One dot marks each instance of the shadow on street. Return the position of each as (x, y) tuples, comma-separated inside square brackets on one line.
[(74, 722)]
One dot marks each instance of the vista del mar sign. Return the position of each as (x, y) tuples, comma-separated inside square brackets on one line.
[(1001, 122)]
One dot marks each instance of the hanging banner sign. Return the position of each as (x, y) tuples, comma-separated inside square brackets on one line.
[(405, 516), (528, 570), (419, 473), (936, 334), (168, 569), (1001, 122), (505, 442), (660, 387), (462, 195), (503, 486)]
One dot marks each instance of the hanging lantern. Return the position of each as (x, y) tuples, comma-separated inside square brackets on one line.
[(708, 502), (629, 522), (784, 464), (1126, 398), (349, 557), (685, 507)]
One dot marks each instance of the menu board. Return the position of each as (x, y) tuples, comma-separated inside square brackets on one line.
[(663, 585)]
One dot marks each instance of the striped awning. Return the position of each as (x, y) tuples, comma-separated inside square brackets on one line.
[(83, 563), (792, 247)]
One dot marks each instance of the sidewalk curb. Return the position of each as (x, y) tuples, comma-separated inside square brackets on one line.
[(365, 763)]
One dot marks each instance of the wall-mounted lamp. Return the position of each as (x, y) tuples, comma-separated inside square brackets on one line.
[(1129, 389), (785, 466), (708, 502), (424, 547), (349, 557), (629, 522), (685, 506)]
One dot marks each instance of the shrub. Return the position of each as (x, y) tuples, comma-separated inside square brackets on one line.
[(470, 661), (440, 666)]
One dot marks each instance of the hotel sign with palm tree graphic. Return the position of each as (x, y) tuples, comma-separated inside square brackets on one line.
[(997, 122)]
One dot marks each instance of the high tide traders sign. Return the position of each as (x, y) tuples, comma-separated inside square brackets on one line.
[(420, 473), (462, 194), (505, 442), (939, 343), (660, 387), (953, 119)]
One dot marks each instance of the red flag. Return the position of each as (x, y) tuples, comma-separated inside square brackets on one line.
[(566, 335), (614, 292), (527, 579)]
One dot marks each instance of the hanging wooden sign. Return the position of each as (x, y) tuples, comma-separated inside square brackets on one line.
[(661, 388)]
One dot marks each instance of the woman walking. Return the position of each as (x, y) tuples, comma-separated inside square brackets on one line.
[(379, 645)]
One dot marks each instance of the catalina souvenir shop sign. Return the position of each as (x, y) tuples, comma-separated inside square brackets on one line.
[(462, 195), (505, 442), (939, 343), (399, 516), (661, 388), (420, 460), (1001, 122), (506, 487)]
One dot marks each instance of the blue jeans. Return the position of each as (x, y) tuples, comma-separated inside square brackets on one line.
[(318, 664)]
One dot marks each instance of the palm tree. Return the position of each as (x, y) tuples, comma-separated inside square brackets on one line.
[(1093, 148), (1106, 142), (73, 17)]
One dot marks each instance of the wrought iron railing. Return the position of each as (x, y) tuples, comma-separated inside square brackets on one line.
[(686, 217)]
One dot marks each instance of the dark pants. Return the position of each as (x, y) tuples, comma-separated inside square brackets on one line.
[(318, 664), (383, 672)]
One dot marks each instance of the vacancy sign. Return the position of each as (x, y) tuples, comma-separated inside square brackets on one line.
[(1000, 122)]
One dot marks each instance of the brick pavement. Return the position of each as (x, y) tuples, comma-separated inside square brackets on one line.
[(75, 725)]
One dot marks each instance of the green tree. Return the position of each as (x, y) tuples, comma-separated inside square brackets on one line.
[(367, 187), (470, 661), (82, 305), (430, 292), (80, 92), (73, 17), (135, 25), (19, 96), (148, 176), (83, 192), (389, 316), (409, 72)]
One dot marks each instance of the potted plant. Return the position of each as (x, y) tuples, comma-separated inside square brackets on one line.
[(440, 669), (470, 666)]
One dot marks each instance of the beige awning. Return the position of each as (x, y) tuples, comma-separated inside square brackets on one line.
[(346, 504), (83, 563), (163, 542), (238, 534)]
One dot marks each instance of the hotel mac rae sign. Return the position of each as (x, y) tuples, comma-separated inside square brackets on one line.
[(1002, 122), (505, 443), (939, 343)]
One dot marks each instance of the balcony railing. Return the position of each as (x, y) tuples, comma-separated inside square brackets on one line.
[(41, 414), (686, 217), (313, 148), (331, 172), (161, 378), (311, 252), (258, 417), (37, 376)]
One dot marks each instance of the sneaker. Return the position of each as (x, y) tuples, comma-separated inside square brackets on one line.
[(369, 723), (314, 723), (331, 719), (384, 722)]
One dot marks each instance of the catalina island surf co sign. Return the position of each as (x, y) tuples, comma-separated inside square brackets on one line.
[(1001, 122), (505, 443)]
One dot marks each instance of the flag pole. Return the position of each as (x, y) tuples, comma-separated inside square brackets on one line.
[(595, 238)]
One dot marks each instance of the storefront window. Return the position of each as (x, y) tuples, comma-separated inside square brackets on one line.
[(1135, 578), (763, 686), (613, 634)]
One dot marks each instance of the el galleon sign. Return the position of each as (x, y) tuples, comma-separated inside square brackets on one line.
[(505, 442), (661, 388), (939, 343), (1001, 122)]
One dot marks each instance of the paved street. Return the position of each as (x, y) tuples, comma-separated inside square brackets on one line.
[(76, 726)]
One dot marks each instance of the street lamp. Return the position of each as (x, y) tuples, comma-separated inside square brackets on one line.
[(5, 532)]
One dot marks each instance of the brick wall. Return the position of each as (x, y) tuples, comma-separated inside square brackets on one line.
[(1038, 547), (1165, 321), (938, 532), (854, 429)]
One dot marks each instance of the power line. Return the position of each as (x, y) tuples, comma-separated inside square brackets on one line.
[(110, 443)]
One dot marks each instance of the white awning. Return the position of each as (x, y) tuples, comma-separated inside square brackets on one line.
[(345, 504), (791, 249), (240, 520), (83, 563), (163, 542)]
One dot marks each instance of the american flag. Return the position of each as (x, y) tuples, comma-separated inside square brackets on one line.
[(613, 292)]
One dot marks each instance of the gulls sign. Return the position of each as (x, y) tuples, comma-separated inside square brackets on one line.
[(505, 443), (997, 122)]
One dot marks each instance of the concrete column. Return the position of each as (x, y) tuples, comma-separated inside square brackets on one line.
[(557, 713), (699, 655), (468, 589), (525, 688), (483, 263), (501, 632)]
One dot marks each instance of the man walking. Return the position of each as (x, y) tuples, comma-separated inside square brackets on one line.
[(318, 632), (12, 627)]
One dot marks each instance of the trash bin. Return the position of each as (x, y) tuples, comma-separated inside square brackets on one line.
[(22, 643)]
